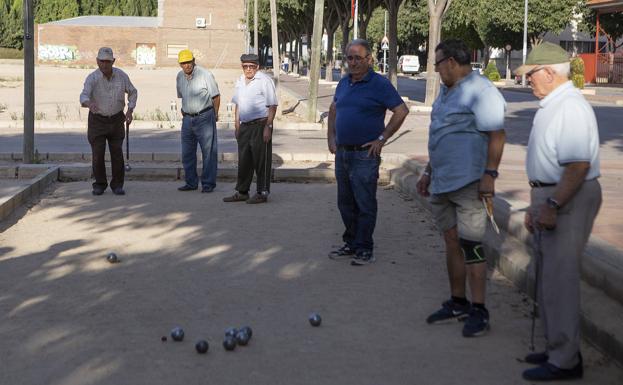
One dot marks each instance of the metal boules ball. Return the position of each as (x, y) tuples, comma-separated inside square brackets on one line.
[(231, 332), (229, 343), (242, 338), (177, 333), (314, 319), (127, 167), (247, 330), (202, 346), (112, 258)]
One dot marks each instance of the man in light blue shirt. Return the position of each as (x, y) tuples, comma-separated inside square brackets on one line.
[(465, 144), (256, 105), (200, 103)]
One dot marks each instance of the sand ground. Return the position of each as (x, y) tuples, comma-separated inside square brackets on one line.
[(69, 317)]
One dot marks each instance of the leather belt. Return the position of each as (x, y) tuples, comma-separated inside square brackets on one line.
[(198, 113), (351, 147), (255, 120), (537, 184)]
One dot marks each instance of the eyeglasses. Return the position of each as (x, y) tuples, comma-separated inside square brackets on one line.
[(530, 73), (356, 58), (249, 66), (441, 60)]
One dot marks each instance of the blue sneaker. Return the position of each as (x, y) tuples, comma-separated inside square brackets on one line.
[(477, 323), (449, 311)]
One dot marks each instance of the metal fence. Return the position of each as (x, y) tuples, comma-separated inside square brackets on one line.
[(609, 68)]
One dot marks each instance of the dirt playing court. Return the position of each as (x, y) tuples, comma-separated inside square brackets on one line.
[(187, 259)]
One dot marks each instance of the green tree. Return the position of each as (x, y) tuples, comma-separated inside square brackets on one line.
[(50, 10)]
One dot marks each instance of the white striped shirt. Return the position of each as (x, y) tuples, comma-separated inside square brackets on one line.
[(109, 95)]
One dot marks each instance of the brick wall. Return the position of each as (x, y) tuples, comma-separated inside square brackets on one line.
[(218, 45)]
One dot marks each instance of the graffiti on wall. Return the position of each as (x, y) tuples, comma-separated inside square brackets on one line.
[(50, 52), (146, 54)]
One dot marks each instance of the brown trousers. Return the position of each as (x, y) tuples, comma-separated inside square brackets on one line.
[(100, 130)]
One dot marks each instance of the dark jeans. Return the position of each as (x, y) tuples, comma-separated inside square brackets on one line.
[(357, 174), (200, 130), (253, 156), (102, 129)]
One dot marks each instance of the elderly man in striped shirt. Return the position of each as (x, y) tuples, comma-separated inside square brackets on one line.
[(104, 95)]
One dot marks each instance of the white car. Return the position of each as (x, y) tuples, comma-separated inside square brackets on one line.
[(409, 64)]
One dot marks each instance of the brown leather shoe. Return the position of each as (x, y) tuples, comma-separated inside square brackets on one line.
[(237, 197), (257, 198)]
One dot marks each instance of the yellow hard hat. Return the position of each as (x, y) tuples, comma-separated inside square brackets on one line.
[(184, 56)]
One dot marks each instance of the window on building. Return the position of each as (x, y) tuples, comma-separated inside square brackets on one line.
[(578, 47), (174, 49)]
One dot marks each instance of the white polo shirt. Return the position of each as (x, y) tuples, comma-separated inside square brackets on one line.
[(254, 98), (564, 131)]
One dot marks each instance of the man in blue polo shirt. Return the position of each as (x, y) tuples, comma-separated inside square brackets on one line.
[(356, 135)]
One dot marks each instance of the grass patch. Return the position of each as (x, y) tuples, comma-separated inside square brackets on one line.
[(11, 53)]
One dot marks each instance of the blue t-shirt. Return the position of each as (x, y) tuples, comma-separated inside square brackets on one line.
[(361, 106), (457, 142)]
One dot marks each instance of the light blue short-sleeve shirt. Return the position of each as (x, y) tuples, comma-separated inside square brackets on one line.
[(197, 92), (457, 141), (254, 98)]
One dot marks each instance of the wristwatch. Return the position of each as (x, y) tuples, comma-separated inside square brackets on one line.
[(494, 173), (381, 138), (553, 203), (269, 126)]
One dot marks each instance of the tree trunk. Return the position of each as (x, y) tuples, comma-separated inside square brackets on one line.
[(330, 59), (392, 10), (436, 10)]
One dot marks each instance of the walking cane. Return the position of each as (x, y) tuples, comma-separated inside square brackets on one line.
[(266, 168), (127, 146), (539, 258)]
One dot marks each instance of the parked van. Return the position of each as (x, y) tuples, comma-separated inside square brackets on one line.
[(409, 64)]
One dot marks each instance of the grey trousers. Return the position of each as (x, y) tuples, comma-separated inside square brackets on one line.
[(254, 156), (558, 289)]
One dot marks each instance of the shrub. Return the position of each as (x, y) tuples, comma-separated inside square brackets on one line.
[(491, 72), (577, 72)]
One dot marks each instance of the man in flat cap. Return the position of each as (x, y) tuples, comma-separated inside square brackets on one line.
[(200, 103), (562, 164), (256, 104), (104, 95)]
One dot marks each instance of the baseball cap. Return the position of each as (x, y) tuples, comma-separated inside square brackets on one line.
[(543, 54), (184, 56), (105, 53)]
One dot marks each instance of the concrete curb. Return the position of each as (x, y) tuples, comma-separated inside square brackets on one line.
[(510, 253), (42, 178), (148, 124)]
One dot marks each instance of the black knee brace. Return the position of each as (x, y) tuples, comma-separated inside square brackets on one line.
[(472, 251)]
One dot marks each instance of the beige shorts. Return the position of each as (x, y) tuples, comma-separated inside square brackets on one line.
[(462, 208)]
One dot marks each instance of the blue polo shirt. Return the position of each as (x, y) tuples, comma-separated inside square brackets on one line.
[(361, 106)]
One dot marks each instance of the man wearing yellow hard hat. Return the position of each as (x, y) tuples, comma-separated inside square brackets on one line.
[(201, 98)]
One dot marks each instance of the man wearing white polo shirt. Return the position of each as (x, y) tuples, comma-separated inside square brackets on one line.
[(563, 166), (256, 104)]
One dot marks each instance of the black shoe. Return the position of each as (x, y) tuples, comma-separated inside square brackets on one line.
[(549, 372), (118, 191), (344, 252), (536, 358), (364, 257), (207, 189), (98, 191), (186, 188)]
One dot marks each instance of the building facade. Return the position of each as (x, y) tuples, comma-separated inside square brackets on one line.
[(213, 31)]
